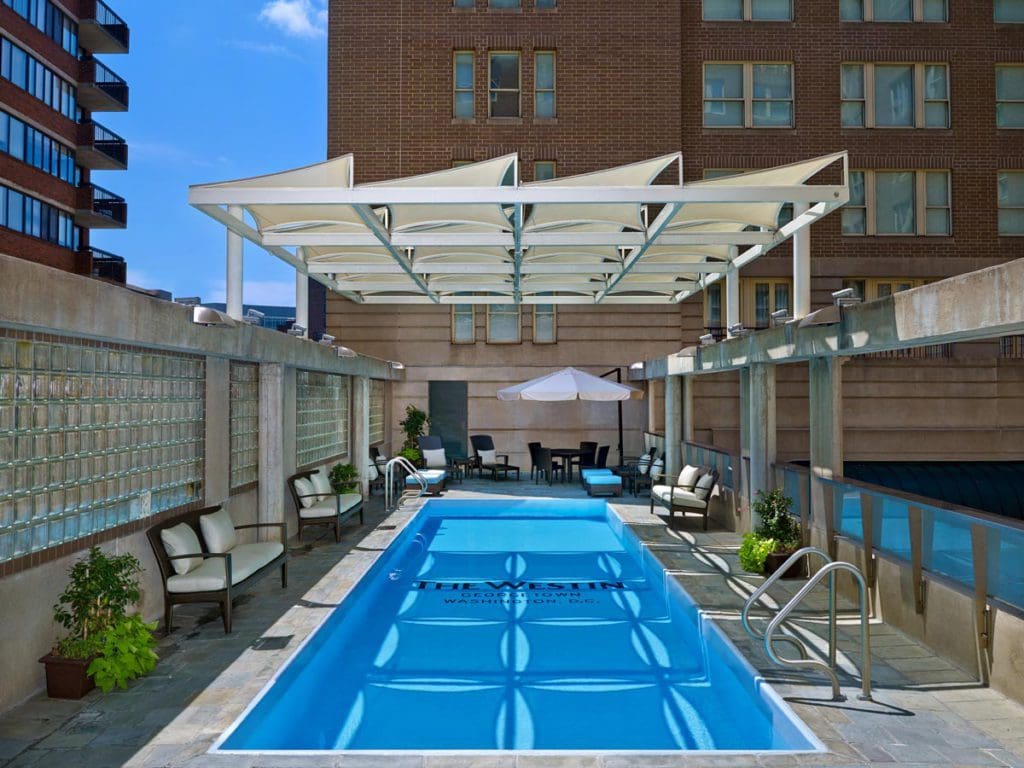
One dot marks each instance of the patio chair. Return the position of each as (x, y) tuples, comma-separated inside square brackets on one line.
[(486, 457), (316, 503), (597, 462), (533, 457), (588, 454), (547, 466), (434, 456), (632, 471)]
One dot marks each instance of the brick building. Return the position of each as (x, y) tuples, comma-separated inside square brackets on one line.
[(926, 95), (50, 87)]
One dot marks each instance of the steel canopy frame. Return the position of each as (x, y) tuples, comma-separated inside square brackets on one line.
[(390, 272)]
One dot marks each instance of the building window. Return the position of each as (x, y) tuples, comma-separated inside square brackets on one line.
[(244, 424), (321, 417), (464, 3), (544, 84), (1009, 11), (759, 297), (463, 105), (895, 96), (30, 75), (898, 203), (546, 4), (871, 288), (1011, 202), (543, 170), (463, 324), (750, 10), (893, 10), (748, 95), (544, 326), (50, 20), (21, 213), (376, 411), (503, 325), (504, 85), (36, 148), (503, 3), (1010, 96)]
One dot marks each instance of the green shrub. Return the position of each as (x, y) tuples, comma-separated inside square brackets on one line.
[(753, 552), (776, 523), (126, 652), (344, 478), (412, 455), (414, 425)]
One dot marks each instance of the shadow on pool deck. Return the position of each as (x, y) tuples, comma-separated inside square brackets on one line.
[(927, 711)]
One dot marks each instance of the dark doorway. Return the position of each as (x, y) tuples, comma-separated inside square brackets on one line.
[(449, 415)]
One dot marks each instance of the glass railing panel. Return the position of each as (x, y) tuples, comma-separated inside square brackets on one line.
[(791, 482), (892, 526), (947, 544), (1006, 564), (847, 509)]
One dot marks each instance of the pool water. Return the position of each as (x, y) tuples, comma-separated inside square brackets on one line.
[(522, 625)]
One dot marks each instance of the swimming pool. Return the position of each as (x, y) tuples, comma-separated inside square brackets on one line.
[(517, 625)]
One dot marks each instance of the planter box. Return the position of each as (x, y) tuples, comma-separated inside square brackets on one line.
[(774, 561), (66, 678)]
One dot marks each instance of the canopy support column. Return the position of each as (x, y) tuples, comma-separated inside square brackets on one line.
[(302, 301), (761, 399), (801, 266), (233, 296), (732, 298), (825, 395), (673, 403)]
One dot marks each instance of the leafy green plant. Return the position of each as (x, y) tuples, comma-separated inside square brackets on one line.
[(753, 552), (412, 455), (414, 425), (772, 509), (126, 652), (344, 478)]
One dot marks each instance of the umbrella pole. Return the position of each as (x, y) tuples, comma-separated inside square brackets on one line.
[(618, 378)]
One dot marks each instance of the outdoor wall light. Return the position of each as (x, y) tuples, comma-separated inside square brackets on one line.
[(211, 318), (845, 297), (738, 330), (636, 366), (396, 365), (297, 330), (253, 316), (707, 340), (345, 352), (781, 317), (327, 340)]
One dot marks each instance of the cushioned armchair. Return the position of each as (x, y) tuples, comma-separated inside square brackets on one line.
[(690, 491), (316, 503), (487, 458)]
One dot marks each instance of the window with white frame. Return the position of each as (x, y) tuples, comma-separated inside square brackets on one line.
[(1009, 11), (895, 96), (748, 95), (893, 10), (463, 106), (546, 4), (464, 3), (1010, 96), (376, 411), (898, 203), (1011, 202), (544, 326), (748, 10), (503, 326), (463, 324), (871, 288), (544, 84), (502, 3), (759, 298), (543, 170), (503, 90)]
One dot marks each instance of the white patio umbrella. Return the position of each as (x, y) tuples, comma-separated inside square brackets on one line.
[(574, 384)]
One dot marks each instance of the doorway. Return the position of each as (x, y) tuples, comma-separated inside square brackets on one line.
[(449, 415)]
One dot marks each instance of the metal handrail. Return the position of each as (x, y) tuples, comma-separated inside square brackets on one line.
[(829, 570), (389, 476)]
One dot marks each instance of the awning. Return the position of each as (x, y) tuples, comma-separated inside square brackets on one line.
[(474, 235)]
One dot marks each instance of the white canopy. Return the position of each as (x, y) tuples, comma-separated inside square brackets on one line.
[(570, 384), (474, 235)]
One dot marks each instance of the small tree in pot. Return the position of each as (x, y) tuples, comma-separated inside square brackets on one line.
[(776, 537), (414, 425), (344, 478)]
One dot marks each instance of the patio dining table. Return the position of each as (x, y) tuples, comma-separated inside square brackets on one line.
[(568, 454)]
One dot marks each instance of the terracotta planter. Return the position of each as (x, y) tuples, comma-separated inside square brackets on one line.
[(774, 561), (66, 678)]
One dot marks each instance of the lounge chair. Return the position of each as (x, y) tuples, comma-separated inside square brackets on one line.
[(487, 458), (691, 491), (599, 461), (434, 456)]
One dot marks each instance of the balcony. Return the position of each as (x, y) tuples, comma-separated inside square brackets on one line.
[(101, 90), (99, 208), (108, 266), (100, 149), (100, 30)]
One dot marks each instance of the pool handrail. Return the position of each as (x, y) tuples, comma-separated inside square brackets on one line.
[(389, 481)]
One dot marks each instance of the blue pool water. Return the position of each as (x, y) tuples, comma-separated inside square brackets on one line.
[(517, 625)]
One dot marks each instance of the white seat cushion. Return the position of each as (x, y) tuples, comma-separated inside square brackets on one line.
[(182, 540), (432, 476), (435, 458), (321, 484), (488, 458), (688, 477), (246, 559), (657, 469), (703, 487), (306, 492), (643, 464), (680, 498), (218, 531), (331, 507), (372, 473)]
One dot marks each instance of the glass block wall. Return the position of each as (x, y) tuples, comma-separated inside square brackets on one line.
[(376, 411), (245, 424), (321, 417), (93, 436)]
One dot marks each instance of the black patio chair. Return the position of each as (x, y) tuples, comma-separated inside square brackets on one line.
[(587, 456), (486, 457), (533, 457), (547, 466)]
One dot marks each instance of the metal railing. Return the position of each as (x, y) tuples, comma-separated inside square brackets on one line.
[(391, 503)]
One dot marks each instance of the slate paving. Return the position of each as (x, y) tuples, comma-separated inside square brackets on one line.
[(926, 711)]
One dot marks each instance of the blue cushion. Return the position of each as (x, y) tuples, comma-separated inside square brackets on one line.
[(596, 473), (608, 479), (430, 475)]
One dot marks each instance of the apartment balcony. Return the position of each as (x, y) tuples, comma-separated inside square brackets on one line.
[(101, 89), (100, 149), (108, 266), (99, 208), (100, 30)]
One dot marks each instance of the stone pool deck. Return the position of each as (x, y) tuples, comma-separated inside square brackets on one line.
[(926, 711)]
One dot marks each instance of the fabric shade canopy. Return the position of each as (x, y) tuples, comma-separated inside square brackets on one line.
[(570, 384)]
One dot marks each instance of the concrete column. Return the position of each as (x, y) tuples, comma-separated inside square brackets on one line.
[(217, 471), (652, 407), (302, 301), (359, 454), (686, 384), (270, 504), (732, 298), (762, 428), (743, 502), (825, 399), (801, 266), (234, 268), (673, 433)]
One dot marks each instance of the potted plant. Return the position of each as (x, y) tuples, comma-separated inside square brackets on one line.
[(776, 537), (344, 478), (104, 645), (414, 425)]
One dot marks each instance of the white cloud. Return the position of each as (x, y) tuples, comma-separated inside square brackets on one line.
[(265, 49), (273, 292), (297, 18)]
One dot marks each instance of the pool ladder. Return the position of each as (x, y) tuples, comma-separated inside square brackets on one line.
[(771, 636), (391, 501)]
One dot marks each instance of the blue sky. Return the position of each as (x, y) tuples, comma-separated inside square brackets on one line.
[(219, 90)]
